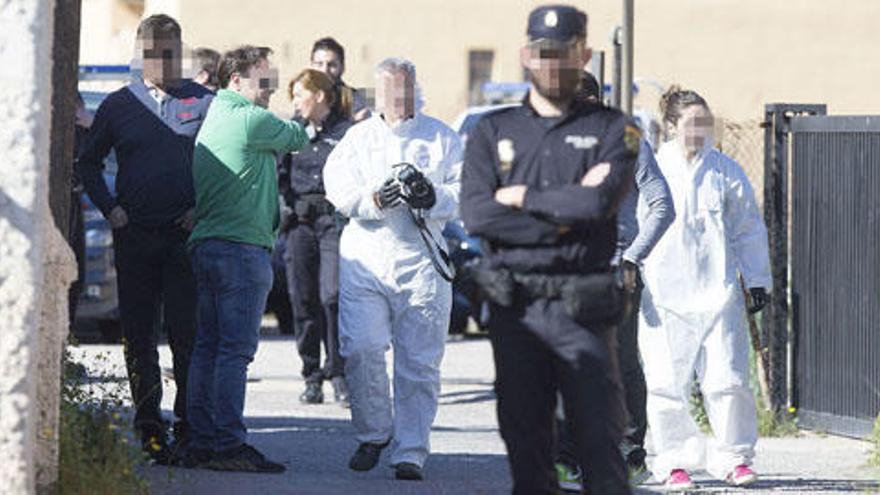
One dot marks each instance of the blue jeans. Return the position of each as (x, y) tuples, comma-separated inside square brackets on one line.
[(234, 280)]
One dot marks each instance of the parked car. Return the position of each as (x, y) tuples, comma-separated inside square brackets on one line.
[(469, 118), (467, 303)]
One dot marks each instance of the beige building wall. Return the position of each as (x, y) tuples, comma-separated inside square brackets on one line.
[(739, 53), (107, 31)]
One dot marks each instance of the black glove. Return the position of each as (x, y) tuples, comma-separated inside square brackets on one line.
[(389, 195), (757, 300)]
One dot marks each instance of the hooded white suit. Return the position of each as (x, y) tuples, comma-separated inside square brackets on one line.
[(693, 312), (389, 292)]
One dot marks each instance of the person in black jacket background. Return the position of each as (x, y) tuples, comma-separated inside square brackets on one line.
[(312, 237)]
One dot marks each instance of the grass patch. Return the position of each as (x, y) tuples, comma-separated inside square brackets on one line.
[(874, 458), (98, 453), (777, 425), (783, 424)]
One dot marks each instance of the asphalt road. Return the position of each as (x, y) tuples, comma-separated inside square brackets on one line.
[(468, 456)]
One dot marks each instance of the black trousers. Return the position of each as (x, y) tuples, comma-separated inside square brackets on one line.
[(634, 386), (156, 290), (312, 258), (540, 351), (635, 394)]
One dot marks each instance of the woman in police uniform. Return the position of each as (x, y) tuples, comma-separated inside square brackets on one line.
[(313, 229)]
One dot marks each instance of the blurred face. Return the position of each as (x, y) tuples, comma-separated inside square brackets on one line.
[(328, 62), (311, 105), (555, 68), (695, 128), (395, 95), (162, 59), (258, 85)]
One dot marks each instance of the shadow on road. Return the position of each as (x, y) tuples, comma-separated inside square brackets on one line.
[(778, 483), (467, 396), (316, 453)]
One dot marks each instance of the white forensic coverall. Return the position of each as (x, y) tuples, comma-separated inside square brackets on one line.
[(389, 292), (693, 315)]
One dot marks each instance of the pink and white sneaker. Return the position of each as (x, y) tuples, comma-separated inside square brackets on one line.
[(678, 479), (741, 475)]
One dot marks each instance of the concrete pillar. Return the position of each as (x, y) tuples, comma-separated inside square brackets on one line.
[(35, 263)]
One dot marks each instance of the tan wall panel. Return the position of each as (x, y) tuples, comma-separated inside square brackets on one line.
[(740, 54)]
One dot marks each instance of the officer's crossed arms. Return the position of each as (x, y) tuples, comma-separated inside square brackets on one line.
[(513, 196)]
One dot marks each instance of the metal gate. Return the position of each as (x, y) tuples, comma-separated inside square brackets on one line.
[(825, 352)]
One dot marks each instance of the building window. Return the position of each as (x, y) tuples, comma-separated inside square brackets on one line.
[(479, 72)]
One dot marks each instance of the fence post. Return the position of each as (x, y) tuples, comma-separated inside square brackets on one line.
[(776, 316)]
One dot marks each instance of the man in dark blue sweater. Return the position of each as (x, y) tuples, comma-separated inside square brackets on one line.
[(151, 125)]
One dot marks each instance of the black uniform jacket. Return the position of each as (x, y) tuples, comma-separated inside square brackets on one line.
[(563, 227)]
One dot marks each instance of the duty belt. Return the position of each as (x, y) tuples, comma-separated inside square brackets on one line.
[(542, 286), (308, 207)]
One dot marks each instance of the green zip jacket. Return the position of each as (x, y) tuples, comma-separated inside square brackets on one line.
[(234, 171)]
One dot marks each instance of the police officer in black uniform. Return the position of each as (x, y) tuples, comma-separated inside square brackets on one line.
[(313, 230), (540, 185)]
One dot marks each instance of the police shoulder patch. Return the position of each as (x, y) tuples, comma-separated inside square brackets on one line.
[(632, 137)]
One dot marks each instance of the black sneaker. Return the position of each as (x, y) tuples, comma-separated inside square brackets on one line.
[(367, 456), (244, 458), (408, 471), (340, 391), (196, 458), (313, 394)]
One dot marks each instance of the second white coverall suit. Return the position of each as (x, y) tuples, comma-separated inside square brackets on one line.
[(693, 315), (389, 292)]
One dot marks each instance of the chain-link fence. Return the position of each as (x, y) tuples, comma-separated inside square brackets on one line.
[(744, 142)]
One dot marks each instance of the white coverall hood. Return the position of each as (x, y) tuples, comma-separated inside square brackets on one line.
[(390, 293), (693, 313)]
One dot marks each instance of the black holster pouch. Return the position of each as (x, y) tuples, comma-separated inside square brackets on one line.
[(596, 299), (495, 285), (309, 207), (591, 300)]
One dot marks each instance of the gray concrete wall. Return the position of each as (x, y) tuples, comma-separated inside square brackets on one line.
[(35, 263)]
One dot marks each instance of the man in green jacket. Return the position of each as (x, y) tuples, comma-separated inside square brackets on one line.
[(236, 219)]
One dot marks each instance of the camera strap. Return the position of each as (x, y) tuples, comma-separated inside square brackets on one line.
[(446, 269)]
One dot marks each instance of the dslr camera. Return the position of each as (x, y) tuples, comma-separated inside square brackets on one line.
[(415, 188)]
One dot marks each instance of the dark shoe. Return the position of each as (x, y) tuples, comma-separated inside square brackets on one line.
[(155, 445), (367, 456), (244, 458), (408, 471), (196, 459), (313, 394), (340, 391)]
